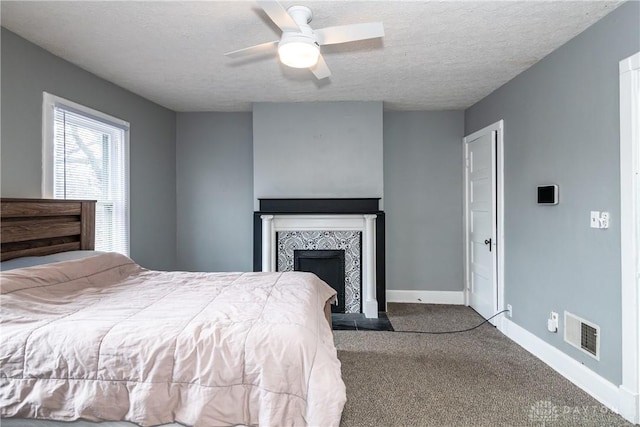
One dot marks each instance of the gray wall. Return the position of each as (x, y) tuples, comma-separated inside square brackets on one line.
[(562, 126), (423, 178), (214, 157), (422, 164), (323, 149), (27, 71)]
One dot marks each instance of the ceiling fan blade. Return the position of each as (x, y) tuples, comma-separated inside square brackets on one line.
[(279, 15), (349, 33), (321, 70), (259, 48)]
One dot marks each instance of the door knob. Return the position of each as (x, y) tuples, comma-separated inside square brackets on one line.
[(488, 242)]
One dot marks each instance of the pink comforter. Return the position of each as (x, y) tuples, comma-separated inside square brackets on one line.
[(104, 339)]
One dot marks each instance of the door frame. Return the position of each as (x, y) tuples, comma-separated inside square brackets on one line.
[(629, 244), (498, 178)]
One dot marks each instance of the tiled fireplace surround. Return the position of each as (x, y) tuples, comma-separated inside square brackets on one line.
[(353, 225)]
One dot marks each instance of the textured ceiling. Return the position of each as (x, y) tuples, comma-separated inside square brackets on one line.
[(436, 55)]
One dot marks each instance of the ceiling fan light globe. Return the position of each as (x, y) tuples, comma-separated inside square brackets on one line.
[(298, 54)]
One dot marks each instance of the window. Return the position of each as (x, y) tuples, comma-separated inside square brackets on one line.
[(86, 156)]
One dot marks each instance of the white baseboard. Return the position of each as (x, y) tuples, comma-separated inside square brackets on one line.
[(629, 404), (601, 389), (426, 297)]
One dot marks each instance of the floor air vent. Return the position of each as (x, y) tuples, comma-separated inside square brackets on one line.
[(582, 334)]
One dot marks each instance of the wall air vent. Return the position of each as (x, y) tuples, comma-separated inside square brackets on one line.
[(582, 334)]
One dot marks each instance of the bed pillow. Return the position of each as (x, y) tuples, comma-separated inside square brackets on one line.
[(71, 255), (31, 261)]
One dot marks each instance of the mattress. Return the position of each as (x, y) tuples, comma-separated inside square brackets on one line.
[(105, 339)]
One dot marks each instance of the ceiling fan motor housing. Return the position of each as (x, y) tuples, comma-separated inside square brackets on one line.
[(302, 15), (292, 37)]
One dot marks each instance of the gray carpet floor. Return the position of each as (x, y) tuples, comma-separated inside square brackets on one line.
[(476, 378)]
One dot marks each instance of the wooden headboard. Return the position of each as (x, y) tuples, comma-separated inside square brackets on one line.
[(34, 227)]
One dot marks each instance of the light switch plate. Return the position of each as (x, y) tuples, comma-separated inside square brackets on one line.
[(595, 219)]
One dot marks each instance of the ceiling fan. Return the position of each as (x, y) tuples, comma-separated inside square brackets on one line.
[(299, 44)]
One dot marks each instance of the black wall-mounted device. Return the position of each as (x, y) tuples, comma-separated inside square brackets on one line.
[(548, 194)]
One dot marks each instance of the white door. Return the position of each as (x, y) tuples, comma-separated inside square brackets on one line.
[(482, 290)]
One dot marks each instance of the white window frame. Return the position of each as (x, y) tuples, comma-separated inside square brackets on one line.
[(50, 101)]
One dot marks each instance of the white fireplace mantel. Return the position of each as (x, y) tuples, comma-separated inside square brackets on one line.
[(271, 224)]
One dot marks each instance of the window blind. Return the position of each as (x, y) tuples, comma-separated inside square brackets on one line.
[(89, 162)]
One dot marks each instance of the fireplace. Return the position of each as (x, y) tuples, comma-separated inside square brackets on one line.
[(341, 240)]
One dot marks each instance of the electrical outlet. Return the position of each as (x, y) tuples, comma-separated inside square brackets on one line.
[(604, 220), (510, 312)]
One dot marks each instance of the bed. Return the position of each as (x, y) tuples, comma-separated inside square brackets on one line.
[(102, 338)]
